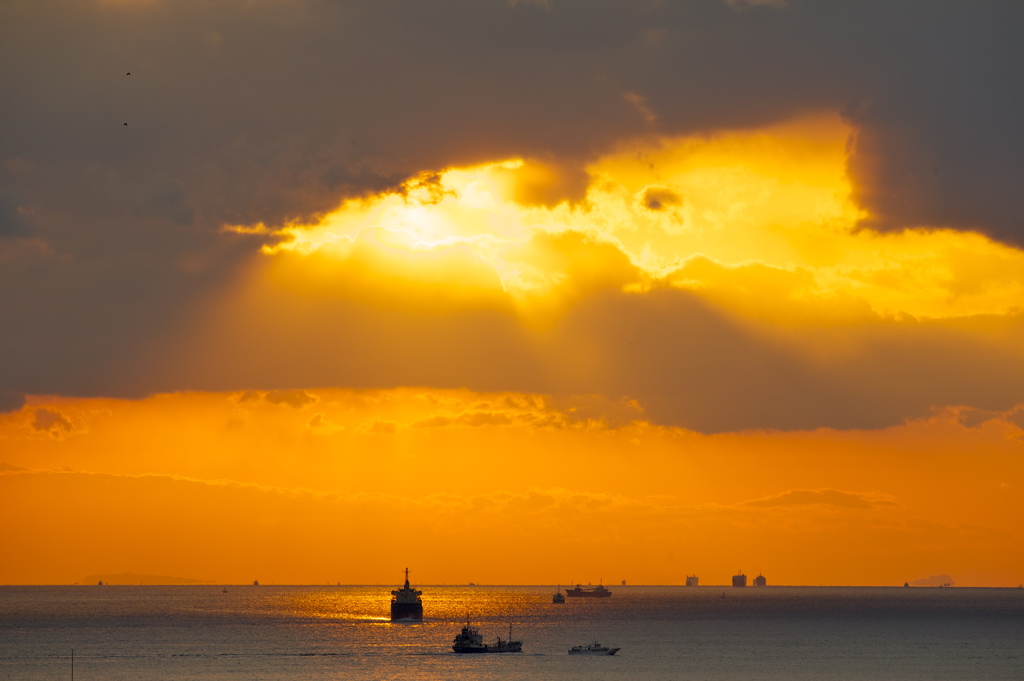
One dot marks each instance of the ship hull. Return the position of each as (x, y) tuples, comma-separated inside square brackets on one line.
[(406, 612), (487, 649), (594, 652), (588, 594)]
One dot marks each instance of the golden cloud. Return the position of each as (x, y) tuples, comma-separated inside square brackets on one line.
[(826, 497)]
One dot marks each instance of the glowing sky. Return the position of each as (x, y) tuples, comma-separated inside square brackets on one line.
[(512, 292)]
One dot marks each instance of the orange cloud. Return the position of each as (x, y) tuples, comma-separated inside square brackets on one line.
[(221, 498), (827, 497)]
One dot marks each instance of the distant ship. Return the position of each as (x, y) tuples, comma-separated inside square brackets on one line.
[(691, 580), (739, 580), (406, 604), (588, 592), (472, 641), (594, 648), (760, 581), (558, 596)]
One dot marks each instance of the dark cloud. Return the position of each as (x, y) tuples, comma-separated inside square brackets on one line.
[(245, 111), (262, 111), (12, 222), (974, 418), (293, 398), (660, 198), (11, 401), (318, 421), (937, 145), (683, 359), (52, 421), (691, 365), (166, 199), (349, 182), (1016, 417)]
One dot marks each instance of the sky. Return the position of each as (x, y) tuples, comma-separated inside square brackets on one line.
[(512, 291)]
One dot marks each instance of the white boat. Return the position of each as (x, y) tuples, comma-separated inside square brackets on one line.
[(594, 648)]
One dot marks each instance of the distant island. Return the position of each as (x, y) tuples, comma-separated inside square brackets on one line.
[(147, 580)]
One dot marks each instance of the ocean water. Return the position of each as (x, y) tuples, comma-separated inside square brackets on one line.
[(277, 633)]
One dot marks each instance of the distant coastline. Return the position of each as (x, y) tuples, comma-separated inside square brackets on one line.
[(133, 579)]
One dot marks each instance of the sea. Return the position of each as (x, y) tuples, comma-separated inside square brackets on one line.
[(312, 633)]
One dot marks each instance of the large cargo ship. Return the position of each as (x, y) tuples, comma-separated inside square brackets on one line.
[(588, 592), (739, 580), (406, 605), (472, 641)]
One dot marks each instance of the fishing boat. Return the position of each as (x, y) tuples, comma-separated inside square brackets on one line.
[(594, 648), (472, 641), (558, 597)]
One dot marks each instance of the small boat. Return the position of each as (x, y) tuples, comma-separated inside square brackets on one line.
[(558, 597), (472, 641), (224, 590), (594, 648)]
